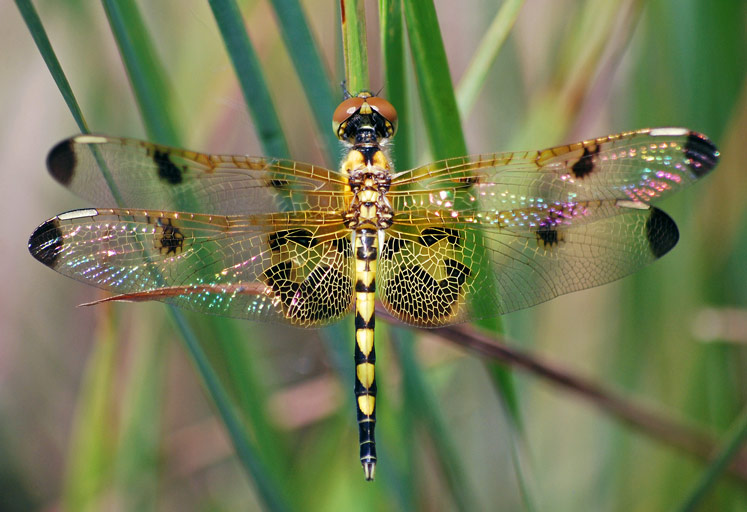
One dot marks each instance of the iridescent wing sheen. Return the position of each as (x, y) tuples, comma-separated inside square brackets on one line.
[(643, 166), (292, 268), (479, 236), (434, 274), (156, 177)]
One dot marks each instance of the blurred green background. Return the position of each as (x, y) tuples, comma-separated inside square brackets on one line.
[(101, 408)]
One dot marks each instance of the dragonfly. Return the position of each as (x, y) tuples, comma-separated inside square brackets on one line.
[(270, 239)]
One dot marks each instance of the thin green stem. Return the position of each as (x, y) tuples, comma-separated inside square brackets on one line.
[(354, 48)]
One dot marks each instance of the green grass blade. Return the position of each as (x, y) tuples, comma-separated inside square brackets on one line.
[(143, 69), (393, 52), (92, 443), (503, 382), (34, 24), (474, 77), (143, 61), (437, 98), (251, 77), (354, 49), (35, 27), (427, 411), (136, 470), (266, 486), (153, 105), (734, 440), (444, 129), (238, 359), (579, 58), (304, 52)]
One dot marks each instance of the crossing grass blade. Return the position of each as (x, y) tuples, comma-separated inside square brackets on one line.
[(421, 397), (474, 77), (138, 443), (150, 87), (310, 69), (143, 69), (36, 29), (144, 63), (251, 77), (733, 441), (438, 102), (92, 451)]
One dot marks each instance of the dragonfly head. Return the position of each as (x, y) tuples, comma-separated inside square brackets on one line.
[(364, 118)]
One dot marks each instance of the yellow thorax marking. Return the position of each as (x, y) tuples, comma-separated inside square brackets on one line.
[(353, 160)]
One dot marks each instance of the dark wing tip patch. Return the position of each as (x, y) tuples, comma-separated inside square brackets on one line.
[(61, 162), (45, 242), (662, 232), (702, 153)]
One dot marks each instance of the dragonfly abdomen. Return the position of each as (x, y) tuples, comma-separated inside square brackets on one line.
[(366, 249)]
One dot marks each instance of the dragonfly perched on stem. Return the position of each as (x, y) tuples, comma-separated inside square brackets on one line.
[(277, 240)]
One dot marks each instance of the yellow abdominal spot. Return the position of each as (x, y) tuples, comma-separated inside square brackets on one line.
[(365, 340), (365, 373), (366, 404), (364, 304), (363, 266)]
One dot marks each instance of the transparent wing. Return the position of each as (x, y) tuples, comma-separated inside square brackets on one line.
[(155, 177), (292, 268), (640, 166), (438, 273)]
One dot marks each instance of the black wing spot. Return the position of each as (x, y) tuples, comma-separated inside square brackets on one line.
[(391, 247), (548, 236), (279, 278), (167, 171), (661, 232), (701, 153), (46, 242), (61, 162), (324, 294), (417, 295), (171, 240), (456, 271), (300, 236), (585, 164), (430, 236)]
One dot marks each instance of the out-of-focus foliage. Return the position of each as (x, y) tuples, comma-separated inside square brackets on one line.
[(101, 408)]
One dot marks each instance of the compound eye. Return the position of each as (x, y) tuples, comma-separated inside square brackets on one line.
[(346, 109), (384, 108)]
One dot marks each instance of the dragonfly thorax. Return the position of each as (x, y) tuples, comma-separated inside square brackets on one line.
[(369, 180)]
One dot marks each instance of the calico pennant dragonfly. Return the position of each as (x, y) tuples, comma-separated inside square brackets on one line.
[(276, 240)]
